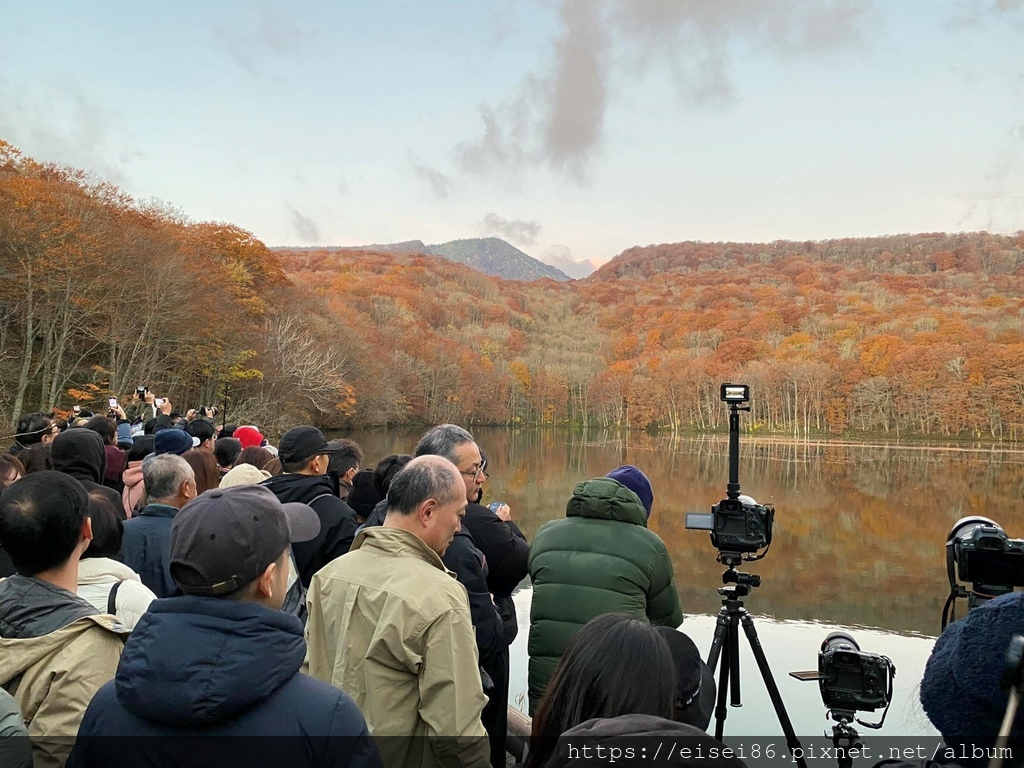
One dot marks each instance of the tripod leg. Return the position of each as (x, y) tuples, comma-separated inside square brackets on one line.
[(723, 673), (773, 690), (721, 632), (734, 663)]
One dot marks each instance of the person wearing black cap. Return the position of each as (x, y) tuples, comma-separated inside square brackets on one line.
[(305, 454), (224, 660), (695, 683)]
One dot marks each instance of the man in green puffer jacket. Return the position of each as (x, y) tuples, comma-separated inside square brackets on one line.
[(600, 559)]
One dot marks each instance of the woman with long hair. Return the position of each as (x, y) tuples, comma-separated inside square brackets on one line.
[(615, 665), (205, 467)]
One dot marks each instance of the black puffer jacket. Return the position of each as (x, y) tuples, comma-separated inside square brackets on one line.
[(197, 666), (81, 453), (337, 520)]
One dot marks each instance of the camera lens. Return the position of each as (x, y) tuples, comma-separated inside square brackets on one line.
[(839, 640)]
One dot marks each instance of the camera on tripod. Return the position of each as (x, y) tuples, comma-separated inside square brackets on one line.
[(851, 680), (739, 525), (979, 552)]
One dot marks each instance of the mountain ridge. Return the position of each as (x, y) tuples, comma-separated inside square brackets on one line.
[(490, 255)]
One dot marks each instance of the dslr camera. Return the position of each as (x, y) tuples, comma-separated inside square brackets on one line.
[(850, 679), (739, 525), (979, 552)]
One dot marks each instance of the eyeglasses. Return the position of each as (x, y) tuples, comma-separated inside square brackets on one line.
[(474, 473)]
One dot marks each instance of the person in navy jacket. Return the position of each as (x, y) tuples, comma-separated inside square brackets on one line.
[(223, 660)]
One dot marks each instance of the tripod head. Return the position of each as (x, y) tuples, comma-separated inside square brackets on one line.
[(744, 583)]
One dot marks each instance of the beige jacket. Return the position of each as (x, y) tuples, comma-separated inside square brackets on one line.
[(53, 679), (390, 626)]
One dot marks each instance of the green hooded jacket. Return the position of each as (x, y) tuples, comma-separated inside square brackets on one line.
[(600, 558)]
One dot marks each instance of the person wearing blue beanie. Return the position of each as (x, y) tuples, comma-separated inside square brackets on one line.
[(124, 436), (637, 482), (600, 558)]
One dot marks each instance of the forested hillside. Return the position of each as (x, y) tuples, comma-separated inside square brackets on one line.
[(912, 334)]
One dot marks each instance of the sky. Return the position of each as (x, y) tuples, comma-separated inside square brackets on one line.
[(574, 129)]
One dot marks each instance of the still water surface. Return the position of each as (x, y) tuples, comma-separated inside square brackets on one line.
[(858, 542)]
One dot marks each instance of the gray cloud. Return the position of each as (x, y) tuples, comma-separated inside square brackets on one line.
[(58, 122), (304, 226), (440, 185), (579, 90), (560, 257), (555, 118), (524, 232), (972, 12), (269, 32)]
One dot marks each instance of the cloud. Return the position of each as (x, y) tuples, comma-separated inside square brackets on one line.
[(269, 32), (524, 232), (58, 122), (440, 185), (560, 257), (971, 13), (304, 227), (555, 118)]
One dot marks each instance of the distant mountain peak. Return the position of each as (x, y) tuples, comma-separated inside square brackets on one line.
[(494, 256)]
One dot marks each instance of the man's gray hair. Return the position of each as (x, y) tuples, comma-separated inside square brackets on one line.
[(163, 475), (442, 440), (421, 479)]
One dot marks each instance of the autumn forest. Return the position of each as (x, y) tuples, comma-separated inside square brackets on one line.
[(907, 335)]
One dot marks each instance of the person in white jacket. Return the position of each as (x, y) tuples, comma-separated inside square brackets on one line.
[(111, 586)]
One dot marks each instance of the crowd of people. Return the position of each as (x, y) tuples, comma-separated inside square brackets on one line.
[(163, 577)]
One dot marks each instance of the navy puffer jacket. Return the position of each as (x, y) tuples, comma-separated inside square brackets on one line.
[(197, 666)]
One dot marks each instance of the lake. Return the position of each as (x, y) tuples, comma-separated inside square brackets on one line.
[(859, 542)]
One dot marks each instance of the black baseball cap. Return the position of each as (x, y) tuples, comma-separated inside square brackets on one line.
[(695, 683), (225, 538), (302, 443)]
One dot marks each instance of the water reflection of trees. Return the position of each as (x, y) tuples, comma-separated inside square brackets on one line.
[(859, 533)]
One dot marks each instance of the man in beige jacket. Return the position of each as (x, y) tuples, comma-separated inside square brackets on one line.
[(56, 649), (390, 626)]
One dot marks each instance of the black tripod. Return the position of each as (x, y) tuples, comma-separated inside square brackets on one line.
[(727, 634)]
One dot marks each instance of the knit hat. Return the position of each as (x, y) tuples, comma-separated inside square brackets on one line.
[(249, 437), (172, 441), (124, 435), (243, 474), (637, 482), (960, 690)]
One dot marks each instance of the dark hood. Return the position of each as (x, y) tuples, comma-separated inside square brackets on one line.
[(641, 732), (300, 488), (380, 511), (34, 608), (81, 454), (195, 661)]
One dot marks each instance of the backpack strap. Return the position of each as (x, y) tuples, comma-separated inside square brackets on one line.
[(112, 599)]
